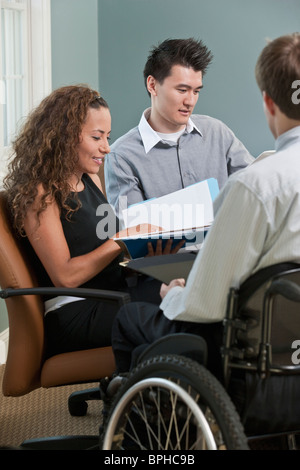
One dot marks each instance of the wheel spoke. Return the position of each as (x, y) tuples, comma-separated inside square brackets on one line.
[(160, 419), (146, 422), (188, 410)]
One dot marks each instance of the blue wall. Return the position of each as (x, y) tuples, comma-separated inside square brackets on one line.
[(235, 31), (75, 44), (105, 43)]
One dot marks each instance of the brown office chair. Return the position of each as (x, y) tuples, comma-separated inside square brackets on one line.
[(25, 368)]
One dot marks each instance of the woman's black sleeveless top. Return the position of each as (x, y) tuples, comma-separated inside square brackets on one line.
[(86, 229)]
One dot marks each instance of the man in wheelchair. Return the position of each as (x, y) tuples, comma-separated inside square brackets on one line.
[(256, 226)]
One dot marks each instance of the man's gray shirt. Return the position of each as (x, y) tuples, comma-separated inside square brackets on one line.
[(141, 168)]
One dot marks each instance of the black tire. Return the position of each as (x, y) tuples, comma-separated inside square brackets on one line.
[(195, 385)]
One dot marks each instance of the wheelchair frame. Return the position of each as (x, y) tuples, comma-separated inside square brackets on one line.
[(234, 359)]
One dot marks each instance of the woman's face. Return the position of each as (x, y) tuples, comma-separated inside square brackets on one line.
[(93, 145)]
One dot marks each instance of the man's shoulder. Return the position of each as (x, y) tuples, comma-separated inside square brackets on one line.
[(206, 122), (272, 175), (210, 127), (127, 140)]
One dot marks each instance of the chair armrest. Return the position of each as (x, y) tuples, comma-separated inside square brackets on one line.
[(114, 296)]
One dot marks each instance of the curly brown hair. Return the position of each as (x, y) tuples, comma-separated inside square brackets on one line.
[(45, 151)]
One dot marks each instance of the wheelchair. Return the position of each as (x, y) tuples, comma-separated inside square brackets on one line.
[(171, 401)]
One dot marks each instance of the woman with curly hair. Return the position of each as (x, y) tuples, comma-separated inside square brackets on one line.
[(57, 204)]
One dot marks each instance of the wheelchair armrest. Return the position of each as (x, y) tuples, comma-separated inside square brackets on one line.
[(101, 294), (288, 289)]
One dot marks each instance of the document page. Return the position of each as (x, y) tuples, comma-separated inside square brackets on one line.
[(188, 208), (185, 214)]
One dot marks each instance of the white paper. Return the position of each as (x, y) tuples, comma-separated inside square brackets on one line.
[(187, 208)]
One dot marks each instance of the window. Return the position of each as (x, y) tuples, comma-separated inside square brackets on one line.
[(25, 64), (14, 73)]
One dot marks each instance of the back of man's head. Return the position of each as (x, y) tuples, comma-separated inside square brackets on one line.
[(278, 73), (185, 52)]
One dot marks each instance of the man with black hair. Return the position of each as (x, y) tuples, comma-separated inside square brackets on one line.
[(257, 223), (171, 148)]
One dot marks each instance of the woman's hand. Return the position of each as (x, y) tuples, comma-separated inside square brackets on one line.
[(165, 288), (167, 250), (140, 229)]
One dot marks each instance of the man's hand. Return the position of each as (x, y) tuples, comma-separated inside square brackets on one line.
[(165, 288)]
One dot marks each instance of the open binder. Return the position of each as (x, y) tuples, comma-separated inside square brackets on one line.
[(185, 214)]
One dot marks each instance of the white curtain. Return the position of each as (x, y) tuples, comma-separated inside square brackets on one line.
[(25, 65), (13, 47)]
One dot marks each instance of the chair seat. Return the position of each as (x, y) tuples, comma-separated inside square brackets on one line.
[(76, 366)]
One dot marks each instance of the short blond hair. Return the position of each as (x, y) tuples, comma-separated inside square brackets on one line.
[(277, 69)]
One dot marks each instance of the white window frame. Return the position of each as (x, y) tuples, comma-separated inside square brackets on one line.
[(37, 53)]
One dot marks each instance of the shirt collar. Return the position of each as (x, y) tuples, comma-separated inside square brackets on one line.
[(287, 138), (149, 137)]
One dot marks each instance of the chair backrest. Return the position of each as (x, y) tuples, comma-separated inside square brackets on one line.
[(25, 313), (260, 372), (273, 319), (280, 322)]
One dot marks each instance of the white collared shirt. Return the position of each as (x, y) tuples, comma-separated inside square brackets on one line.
[(150, 137), (141, 165), (257, 224)]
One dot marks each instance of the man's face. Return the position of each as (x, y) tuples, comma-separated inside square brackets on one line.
[(173, 100)]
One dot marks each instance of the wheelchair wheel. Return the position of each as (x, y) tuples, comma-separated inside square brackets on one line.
[(171, 402)]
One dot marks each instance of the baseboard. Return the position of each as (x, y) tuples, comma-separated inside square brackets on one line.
[(4, 335)]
